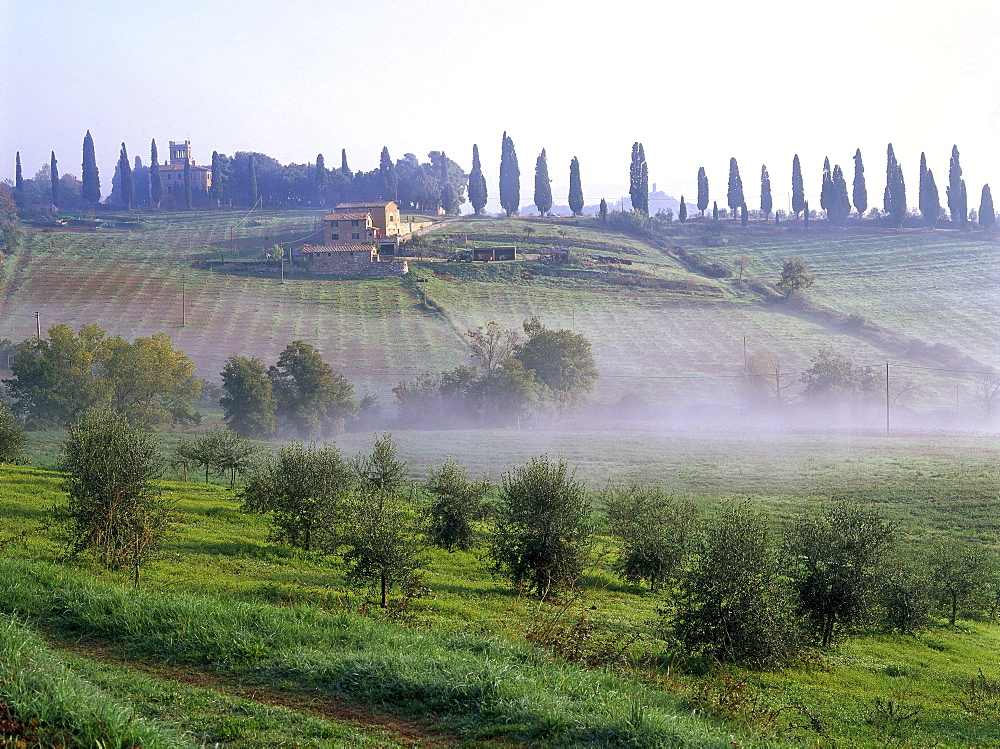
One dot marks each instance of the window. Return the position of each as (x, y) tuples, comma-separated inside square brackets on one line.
[(336, 236), (355, 236), (334, 224), (354, 222)]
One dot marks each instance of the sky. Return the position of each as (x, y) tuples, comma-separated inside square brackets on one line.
[(696, 83)]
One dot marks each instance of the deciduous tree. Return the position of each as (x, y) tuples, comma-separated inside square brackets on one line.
[(492, 344), (248, 406), (958, 573), (560, 360), (543, 185), (795, 276), (311, 398), (12, 435)]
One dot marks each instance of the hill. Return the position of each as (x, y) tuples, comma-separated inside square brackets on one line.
[(663, 332)]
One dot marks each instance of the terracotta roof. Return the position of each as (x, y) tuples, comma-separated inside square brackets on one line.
[(375, 204), (338, 248), (345, 216), (180, 167)]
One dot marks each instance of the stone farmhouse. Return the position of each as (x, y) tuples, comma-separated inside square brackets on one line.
[(172, 177), (355, 237)]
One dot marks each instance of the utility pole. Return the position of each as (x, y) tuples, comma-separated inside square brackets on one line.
[(887, 399), (184, 300), (744, 353), (38, 327), (282, 261)]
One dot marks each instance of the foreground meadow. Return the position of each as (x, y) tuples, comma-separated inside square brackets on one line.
[(238, 640)]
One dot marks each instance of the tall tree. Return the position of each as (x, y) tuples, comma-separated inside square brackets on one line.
[(638, 179), (987, 213), (311, 397), (895, 189), (18, 179), (125, 181), (543, 185), (957, 202), (344, 169), (826, 190), (798, 188), (54, 179), (575, 188), (217, 178), (155, 185), (860, 190), (929, 201), (91, 189), (252, 181), (766, 204), (477, 183), (682, 211), (702, 190), (387, 176), (188, 188), (248, 405), (321, 179), (602, 211), (890, 173), (840, 204), (510, 177), (735, 193)]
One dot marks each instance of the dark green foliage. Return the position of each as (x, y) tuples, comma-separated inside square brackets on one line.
[(957, 200), (575, 188), (831, 378), (218, 180), (894, 200), (220, 450), (682, 212), (795, 274), (456, 503), (836, 562), (91, 188), (54, 179), (905, 597), (155, 185), (655, 529), (477, 183), (188, 194), (798, 187), (304, 489), (125, 182), (542, 527), (345, 170), (702, 190), (560, 360), (987, 213), (311, 398), (510, 177), (18, 179), (543, 185), (826, 190), (602, 212), (388, 178), (766, 202), (958, 573), (114, 509), (10, 222), (638, 179), (715, 210), (840, 204), (381, 472), (733, 603), (12, 436), (249, 406), (744, 215), (860, 194), (734, 194)]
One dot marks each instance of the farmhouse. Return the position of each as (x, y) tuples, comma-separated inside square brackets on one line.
[(384, 217), (350, 260), (172, 177)]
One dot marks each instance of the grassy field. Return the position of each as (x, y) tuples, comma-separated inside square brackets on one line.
[(676, 344), (229, 639)]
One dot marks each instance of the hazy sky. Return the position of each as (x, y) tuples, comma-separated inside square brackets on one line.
[(697, 83)]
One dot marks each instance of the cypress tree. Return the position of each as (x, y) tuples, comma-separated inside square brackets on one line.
[(702, 190), (860, 189), (217, 178), (252, 179), (890, 177), (388, 179), (933, 200), (956, 190), (895, 189), (140, 175), (744, 215), (125, 181), (766, 203), (344, 169), (543, 185), (715, 210), (682, 212), (54, 178), (638, 179), (477, 183), (805, 214), (987, 213), (603, 210), (188, 196), (18, 179), (321, 180), (575, 188), (826, 191), (449, 197), (735, 193), (839, 207), (155, 185), (798, 188), (510, 177), (90, 190)]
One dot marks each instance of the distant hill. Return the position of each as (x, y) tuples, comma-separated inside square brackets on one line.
[(658, 201)]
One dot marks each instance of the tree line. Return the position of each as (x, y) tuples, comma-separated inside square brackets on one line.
[(733, 585)]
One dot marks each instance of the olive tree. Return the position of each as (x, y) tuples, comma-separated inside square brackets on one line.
[(542, 526), (655, 529), (114, 508), (11, 435), (456, 504)]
